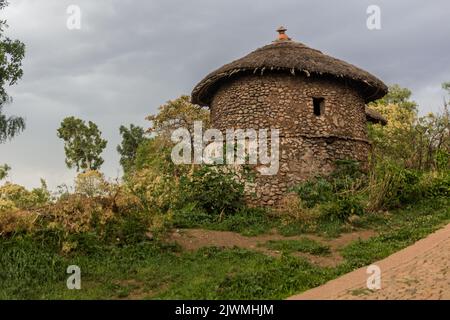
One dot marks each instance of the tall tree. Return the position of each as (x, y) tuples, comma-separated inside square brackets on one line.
[(178, 113), (83, 144), (413, 141), (11, 54), (132, 138)]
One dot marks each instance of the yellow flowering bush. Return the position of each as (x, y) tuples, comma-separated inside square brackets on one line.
[(23, 198), (91, 183), (77, 214), (155, 191), (7, 206), (16, 221)]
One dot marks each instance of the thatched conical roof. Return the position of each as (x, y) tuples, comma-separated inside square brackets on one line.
[(285, 55), (375, 117)]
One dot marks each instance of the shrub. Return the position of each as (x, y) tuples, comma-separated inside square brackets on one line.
[(22, 198), (246, 221), (347, 176), (190, 216), (4, 169), (91, 183), (436, 184), (342, 208), (16, 222), (155, 191), (336, 196), (215, 190), (315, 191), (7, 206), (390, 186), (292, 208), (77, 214)]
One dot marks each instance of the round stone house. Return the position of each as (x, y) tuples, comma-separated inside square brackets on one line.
[(317, 102)]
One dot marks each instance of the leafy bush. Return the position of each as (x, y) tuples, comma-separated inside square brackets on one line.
[(390, 186), (4, 169), (347, 175), (342, 208), (247, 221), (436, 185), (91, 183), (336, 196), (215, 190), (22, 198), (315, 191), (16, 222), (190, 216), (77, 214), (7, 206), (155, 191), (292, 208)]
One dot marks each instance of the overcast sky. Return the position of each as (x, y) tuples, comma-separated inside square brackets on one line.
[(129, 57)]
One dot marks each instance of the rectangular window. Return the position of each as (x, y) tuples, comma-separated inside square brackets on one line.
[(319, 106)]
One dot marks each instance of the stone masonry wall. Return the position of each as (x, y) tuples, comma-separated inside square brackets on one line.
[(309, 144)]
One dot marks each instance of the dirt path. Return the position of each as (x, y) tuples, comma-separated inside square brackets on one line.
[(194, 239), (421, 271)]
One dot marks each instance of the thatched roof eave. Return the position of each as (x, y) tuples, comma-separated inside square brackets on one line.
[(374, 116), (293, 58)]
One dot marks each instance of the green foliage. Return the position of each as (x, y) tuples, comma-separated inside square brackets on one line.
[(398, 230), (315, 191), (26, 267), (91, 184), (342, 208), (4, 169), (82, 144), (347, 176), (155, 154), (436, 185), (398, 96), (216, 190), (442, 160), (178, 113), (336, 195), (391, 186), (21, 198), (247, 221), (411, 141), (274, 279), (132, 138), (304, 245), (33, 268), (12, 53)]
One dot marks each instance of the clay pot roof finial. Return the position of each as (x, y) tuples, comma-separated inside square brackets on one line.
[(282, 36)]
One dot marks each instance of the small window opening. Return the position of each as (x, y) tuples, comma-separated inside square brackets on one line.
[(319, 106)]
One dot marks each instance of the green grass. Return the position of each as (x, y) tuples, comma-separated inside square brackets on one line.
[(149, 271), (248, 221), (398, 230), (255, 221), (304, 245), (324, 228), (32, 268)]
